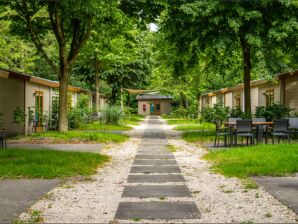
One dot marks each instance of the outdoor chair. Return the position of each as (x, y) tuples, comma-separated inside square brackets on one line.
[(244, 129), (220, 131), (293, 125), (233, 119), (261, 130), (3, 138), (281, 129)]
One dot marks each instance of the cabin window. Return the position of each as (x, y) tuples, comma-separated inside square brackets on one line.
[(238, 100), (269, 97)]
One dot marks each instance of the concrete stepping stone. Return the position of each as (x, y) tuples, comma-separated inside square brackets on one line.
[(155, 178), (143, 191), (152, 152), (154, 162), (155, 169), (157, 210), (154, 157)]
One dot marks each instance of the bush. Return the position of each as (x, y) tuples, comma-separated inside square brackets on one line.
[(130, 110), (80, 114), (275, 111), (19, 118), (236, 112), (217, 112), (112, 115), (181, 112)]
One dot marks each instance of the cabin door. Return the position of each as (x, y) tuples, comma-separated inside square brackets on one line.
[(39, 111), (155, 108)]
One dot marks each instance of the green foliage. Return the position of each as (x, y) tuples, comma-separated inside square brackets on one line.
[(30, 163), (112, 115), (243, 162), (275, 111), (19, 118), (53, 124), (217, 112), (1, 120), (98, 126), (236, 112), (182, 112), (81, 113)]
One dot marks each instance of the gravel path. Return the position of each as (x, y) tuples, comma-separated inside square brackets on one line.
[(218, 199)]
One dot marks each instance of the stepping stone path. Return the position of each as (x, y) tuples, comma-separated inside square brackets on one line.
[(156, 175)]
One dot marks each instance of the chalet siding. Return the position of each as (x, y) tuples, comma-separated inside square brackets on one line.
[(11, 96), (291, 92), (31, 90), (229, 99), (262, 93), (254, 94)]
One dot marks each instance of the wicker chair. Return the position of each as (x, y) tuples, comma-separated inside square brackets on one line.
[(244, 129), (220, 132), (281, 130), (293, 122)]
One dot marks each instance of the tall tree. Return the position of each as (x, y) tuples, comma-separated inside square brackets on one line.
[(251, 26), (70, 21)]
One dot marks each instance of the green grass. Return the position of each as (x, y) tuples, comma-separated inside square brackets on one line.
[(272, 160), (181, 121), (132, 119), (197, 126), (97, 126), (20, 163), (172, 148), (198, 136), (75, 136)]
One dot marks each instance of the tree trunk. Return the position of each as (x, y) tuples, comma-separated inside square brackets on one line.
[(246, 77), (97, 103), (121, 99), (63, 100)]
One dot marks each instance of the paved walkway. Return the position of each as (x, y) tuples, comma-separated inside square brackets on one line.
[(18, 195), (155, 174), (284, 189)]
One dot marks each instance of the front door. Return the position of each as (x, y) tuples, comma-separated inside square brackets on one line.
[(155, 108), (39, 111)]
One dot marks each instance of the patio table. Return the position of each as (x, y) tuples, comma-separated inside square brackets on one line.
[(258, 124)]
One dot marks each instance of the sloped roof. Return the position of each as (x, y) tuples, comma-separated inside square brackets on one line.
[(140, 91), (4, 73), (153, 97)]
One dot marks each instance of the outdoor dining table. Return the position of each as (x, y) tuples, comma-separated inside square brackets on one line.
[(258, 124)]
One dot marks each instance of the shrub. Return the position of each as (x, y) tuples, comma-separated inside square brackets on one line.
[(275, 111), (190, 112), (112, 115), (130, 110), (236, 112), (19, 118), (217, 112)]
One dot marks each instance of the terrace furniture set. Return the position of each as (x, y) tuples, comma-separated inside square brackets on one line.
[(254, 130)]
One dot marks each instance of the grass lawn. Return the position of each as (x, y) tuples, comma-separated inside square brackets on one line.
[(75, 137), (132, 119), (181, 121), (272, 160), (198, 136), (198, 126), (19, 163), (97, 126)]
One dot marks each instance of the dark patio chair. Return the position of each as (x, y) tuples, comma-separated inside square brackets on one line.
[(233, 119), (244, 129), (3, 138), (220, 132), (281, 129), (293, 123), (261, 130)]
